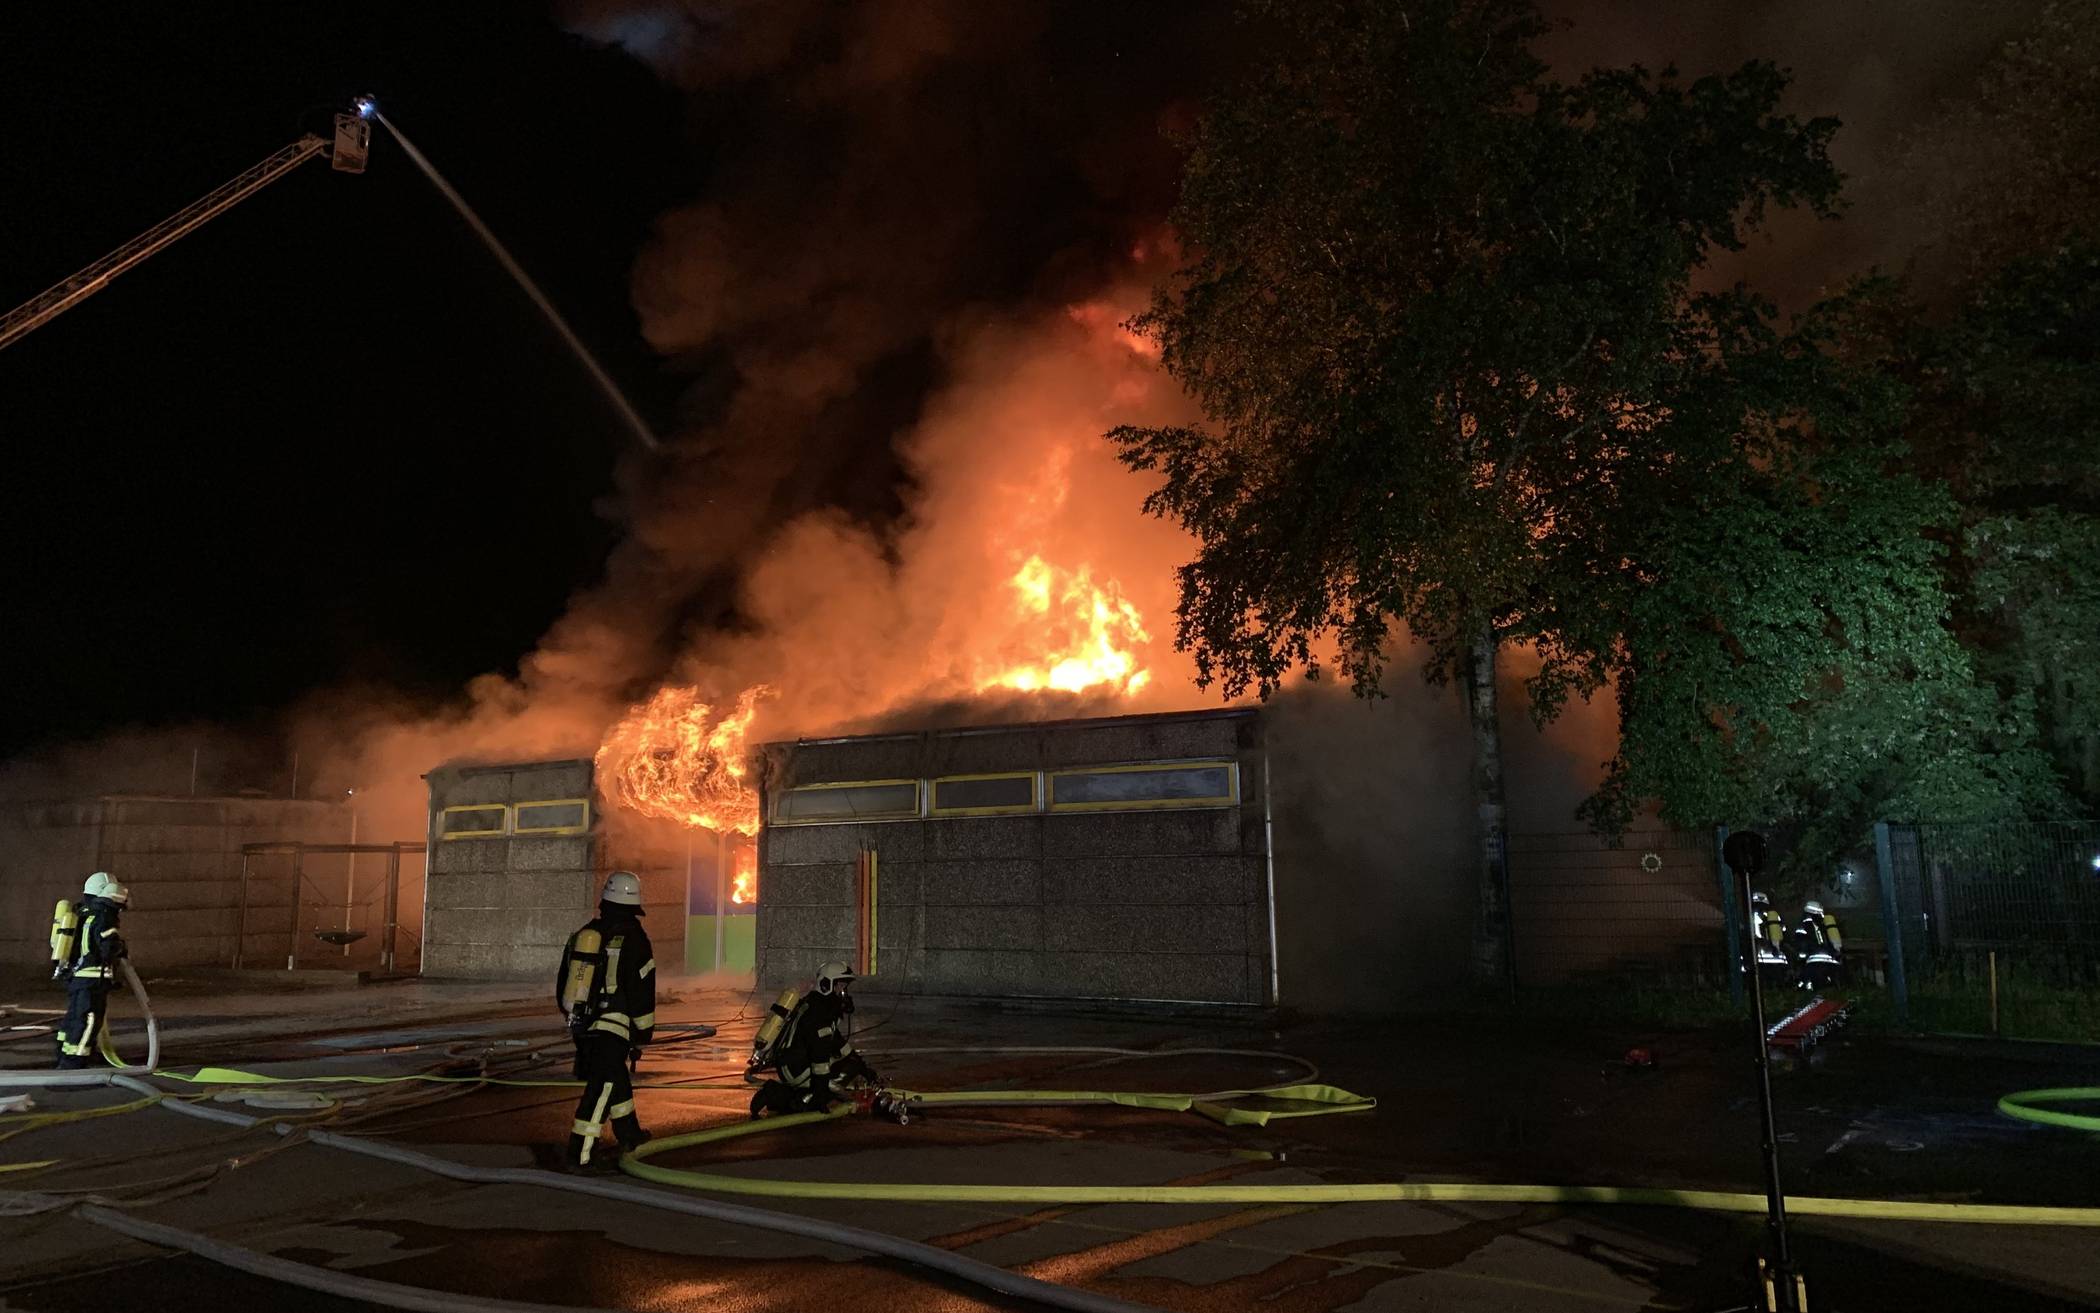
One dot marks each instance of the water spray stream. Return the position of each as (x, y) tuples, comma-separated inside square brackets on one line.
[(532, 289)]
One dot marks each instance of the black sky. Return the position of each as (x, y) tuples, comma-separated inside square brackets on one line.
[(322, 438), (325, 441)]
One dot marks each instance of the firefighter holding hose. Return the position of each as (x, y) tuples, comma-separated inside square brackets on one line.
[(807, 1041), (606, 987), (86, 947)]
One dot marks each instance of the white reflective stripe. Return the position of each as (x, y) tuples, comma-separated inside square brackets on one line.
[(107, 933), (581, 1127), (590, 1135), (646, 1021), (648, 967), (846, 1052), (78, 1048), (612, 964), (611, 1027), (619, 1110)]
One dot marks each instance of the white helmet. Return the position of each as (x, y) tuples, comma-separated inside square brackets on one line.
[(624, 888), (1812, 907), (104, 885), (833, 977)]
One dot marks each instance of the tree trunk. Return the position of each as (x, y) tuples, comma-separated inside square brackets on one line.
[(1491, 960)]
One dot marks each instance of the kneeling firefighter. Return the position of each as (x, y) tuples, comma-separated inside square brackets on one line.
[(807, 1041), (85, 949), (607, 988)]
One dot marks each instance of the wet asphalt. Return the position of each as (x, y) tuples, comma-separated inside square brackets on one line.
[(1458, 1100)]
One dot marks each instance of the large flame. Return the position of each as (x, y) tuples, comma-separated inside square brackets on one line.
[(744, 888), (1083, 634), (675, 759)]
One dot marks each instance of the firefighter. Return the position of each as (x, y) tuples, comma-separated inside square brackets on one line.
[(1774, 966), (1821, 946), (814, 1056), (89, 968), (607, 988)]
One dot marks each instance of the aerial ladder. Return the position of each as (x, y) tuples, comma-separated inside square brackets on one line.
[(347, 153)]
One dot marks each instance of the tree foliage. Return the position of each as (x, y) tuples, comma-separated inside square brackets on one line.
[(1433, 300), (1440, 316)]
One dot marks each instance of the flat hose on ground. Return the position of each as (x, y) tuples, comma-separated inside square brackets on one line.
[(984, 1275), (1374, 1192)]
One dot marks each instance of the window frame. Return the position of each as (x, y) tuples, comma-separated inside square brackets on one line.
[(518, 826), (1209, 802), (918, 811), (1034, 805), (502, 830)]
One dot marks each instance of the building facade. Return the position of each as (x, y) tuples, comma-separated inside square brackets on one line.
[(1124, 858)]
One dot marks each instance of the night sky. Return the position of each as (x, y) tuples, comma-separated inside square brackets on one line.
[(324, 442), (323, 438)]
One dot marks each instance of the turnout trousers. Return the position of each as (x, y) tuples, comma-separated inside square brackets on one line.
[(608, 1096), (87, 1012)]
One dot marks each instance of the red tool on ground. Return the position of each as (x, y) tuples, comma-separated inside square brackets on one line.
[(1801, 1030)]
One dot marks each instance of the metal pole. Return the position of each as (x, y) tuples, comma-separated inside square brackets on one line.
[(291, 940), (349, 881), (1735, 932), (240, 938), (1994, 990), (721, 893), (689, 899), (1268, 845), (393, 909), (1891, 921), (193, 771), (1775, 1197)]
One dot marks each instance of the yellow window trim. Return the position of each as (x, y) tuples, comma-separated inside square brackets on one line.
[(502, 822), (1034, 803), (519, 815), (1230, 798), (918, 808)]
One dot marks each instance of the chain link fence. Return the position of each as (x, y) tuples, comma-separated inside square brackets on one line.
[(1996, 927), (1949, 928)]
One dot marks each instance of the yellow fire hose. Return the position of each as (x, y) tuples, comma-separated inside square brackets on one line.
[(634, 1164), (2017, 1105)]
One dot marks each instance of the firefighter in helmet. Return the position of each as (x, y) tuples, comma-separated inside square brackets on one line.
[(811, 1051), (606, 986), (1821, 946), (1774, 966), (89, 964)]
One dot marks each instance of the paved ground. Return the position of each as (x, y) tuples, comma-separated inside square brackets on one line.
[(1457, 1102)]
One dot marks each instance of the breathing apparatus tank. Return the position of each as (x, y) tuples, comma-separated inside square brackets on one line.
[(581, 987), (769, 1031), (65, 936)]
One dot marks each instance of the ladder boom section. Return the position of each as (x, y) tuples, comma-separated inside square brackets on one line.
[(56, 300)]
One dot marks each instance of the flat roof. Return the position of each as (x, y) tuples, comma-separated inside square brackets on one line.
[(1016, 726)]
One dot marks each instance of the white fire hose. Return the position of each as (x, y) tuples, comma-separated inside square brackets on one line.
[(99, 1075)]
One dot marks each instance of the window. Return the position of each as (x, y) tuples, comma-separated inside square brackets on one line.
[(1106, 788), (983, 795), (564, 816), (860, 800), (475, 821)]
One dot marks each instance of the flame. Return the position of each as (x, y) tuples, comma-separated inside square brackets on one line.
[(1091, 632), (744, 888), (675, 759)]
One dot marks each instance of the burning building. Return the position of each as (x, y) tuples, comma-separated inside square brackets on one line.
[(1126, 857)]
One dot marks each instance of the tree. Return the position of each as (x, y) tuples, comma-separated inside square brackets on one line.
[(1434, 305), (2001, 408), (1786, 652)]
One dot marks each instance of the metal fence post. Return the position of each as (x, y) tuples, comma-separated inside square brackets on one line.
[(1891, 922), (1730, 919)]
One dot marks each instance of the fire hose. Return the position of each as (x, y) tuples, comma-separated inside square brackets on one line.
[(101, 1076)]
